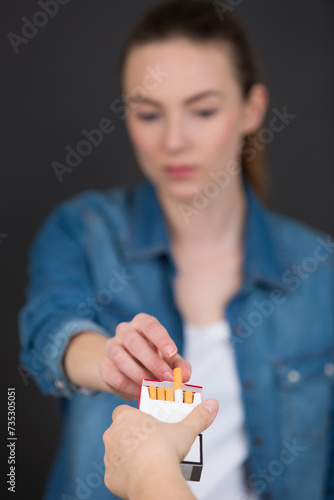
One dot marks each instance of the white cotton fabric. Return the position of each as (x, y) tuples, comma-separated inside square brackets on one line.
[(225, 444)]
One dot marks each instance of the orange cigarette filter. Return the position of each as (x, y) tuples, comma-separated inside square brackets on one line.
[(161, 394), (188, 397), (152, 392), (177, 373), (169, 394)]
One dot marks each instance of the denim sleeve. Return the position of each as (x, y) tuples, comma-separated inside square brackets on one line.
[(59, 281), (330, 472)]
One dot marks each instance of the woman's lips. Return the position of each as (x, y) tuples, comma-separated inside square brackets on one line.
[(179, 171)]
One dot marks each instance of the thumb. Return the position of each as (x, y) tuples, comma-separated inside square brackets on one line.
[(202, 416)]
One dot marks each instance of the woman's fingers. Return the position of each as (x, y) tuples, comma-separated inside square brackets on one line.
[(142, 338), (153, 330), (120, 383), (141, 348), (127, 364), (138, 347)]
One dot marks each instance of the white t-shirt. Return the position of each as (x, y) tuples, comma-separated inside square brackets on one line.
[(225, 444)]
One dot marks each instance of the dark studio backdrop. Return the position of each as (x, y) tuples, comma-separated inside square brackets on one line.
[(62, 80)]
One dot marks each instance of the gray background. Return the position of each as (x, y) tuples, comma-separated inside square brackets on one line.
[(64, 80)]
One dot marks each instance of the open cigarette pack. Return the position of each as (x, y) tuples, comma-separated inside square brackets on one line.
[(171, 402)]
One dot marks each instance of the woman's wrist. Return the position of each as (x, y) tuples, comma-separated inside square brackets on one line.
[(82, 358)]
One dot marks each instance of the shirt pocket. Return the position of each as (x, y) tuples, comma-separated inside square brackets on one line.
[(305, 392)]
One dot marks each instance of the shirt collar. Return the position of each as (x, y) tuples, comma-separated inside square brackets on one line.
[(148, 236), (264, 258)]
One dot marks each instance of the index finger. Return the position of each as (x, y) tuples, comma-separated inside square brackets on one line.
[(154, 331)]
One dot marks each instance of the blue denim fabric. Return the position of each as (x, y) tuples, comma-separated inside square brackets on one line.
[(102, 257)]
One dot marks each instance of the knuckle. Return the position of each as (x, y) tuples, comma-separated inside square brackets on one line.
[(140, 317), (104, 437), (117, 356), (153, 327), (115, 413), (120, 328), (119, 382)]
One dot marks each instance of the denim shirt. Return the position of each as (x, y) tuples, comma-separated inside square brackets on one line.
[(104, 256)]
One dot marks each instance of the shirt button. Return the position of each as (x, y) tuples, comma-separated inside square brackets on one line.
[(329, 369), (59, 384), (267, 495), (293, 376), (257, 441), (247, 385)]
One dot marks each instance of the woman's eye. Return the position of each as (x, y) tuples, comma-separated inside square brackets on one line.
[(206, 112), (147, 116)]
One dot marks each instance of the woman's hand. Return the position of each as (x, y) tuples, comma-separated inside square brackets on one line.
[(142, 453), (141, 348)]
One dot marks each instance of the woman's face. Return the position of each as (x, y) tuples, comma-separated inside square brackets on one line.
[(186, 114)]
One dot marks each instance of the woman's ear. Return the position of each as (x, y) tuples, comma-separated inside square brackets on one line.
[(255, 108)]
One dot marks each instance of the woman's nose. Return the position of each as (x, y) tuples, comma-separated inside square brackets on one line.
[(175, 135)]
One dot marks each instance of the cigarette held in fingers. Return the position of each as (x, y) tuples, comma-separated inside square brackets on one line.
[(176, 393), (177, 373)]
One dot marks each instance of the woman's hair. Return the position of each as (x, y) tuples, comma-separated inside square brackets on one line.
[(205, 21)]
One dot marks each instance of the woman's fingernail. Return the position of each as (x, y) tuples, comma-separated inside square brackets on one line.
[(170, 350), (211, 405)]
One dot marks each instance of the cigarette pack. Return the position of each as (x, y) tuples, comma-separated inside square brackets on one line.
[(173, 411)]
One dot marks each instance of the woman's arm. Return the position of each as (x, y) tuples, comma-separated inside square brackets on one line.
[(82, 358), (59, 283), (63, 347), (143, 455)]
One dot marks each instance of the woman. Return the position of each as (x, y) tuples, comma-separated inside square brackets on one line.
[(189, 269)]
